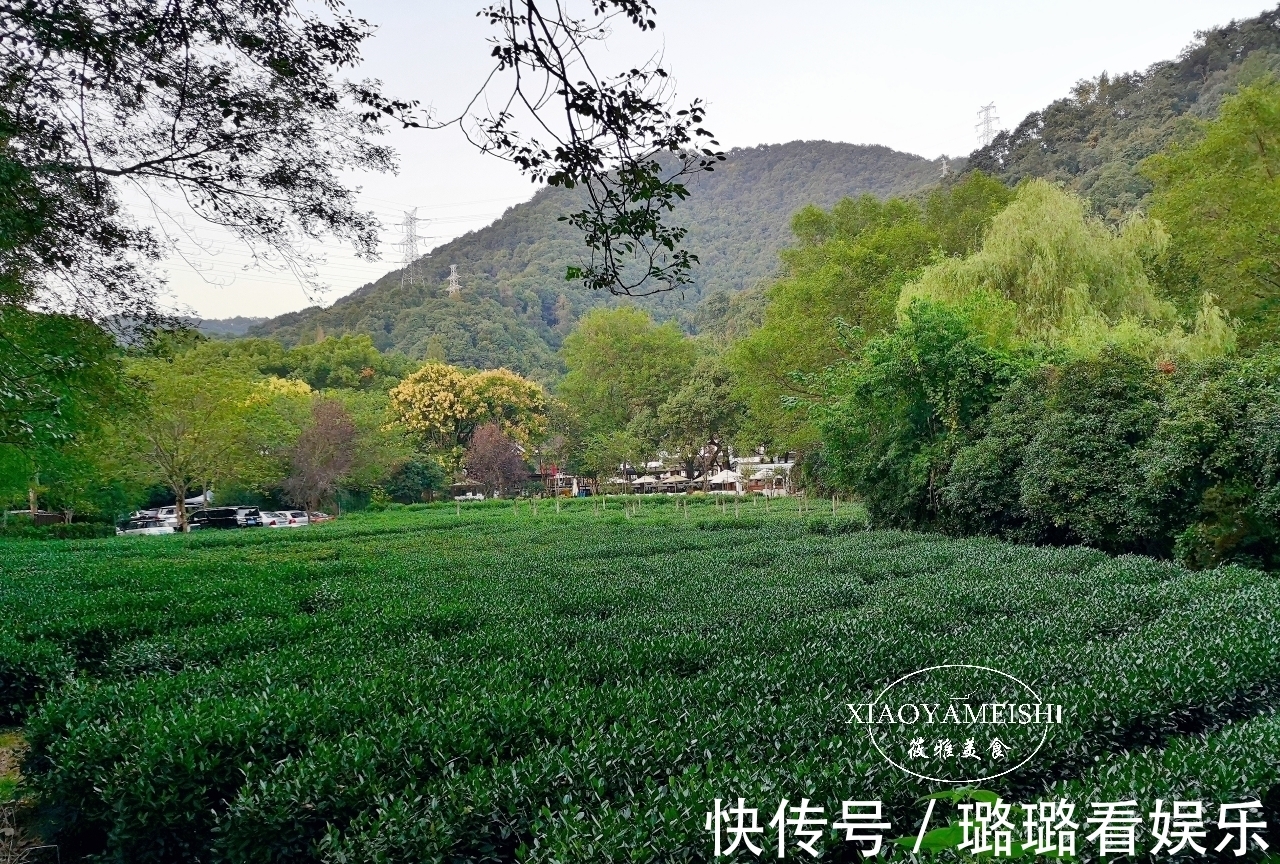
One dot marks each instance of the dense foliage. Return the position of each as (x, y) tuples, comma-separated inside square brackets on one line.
[(849, 266), (896, 415), (506, 686), (1127, 455), (1219, 198), (1078, 395)]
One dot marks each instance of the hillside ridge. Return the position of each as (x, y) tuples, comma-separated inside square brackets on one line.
[(516, 306)]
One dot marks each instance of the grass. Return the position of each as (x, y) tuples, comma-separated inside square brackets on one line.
[(12, 749), (499, 683)]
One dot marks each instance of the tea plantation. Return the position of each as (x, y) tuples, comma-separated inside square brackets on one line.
[(493, 685)]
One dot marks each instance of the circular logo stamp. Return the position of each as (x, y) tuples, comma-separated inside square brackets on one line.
[(957, 723)]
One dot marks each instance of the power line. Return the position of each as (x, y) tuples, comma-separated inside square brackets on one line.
[(986, 127)]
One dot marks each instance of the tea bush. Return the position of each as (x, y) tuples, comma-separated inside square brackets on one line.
[(512, 684)]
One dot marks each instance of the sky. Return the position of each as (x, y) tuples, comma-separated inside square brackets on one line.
[(908, 74)]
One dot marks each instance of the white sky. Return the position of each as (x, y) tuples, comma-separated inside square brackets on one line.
[(909, 74)]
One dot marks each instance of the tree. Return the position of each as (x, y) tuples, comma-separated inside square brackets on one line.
[(349, 362), (237, 108), (204, 423), (1061, 458), (234, 106), (562, 442), (616, 138), (700, 418), (603, 453), (620, 365), (442, 406), (894, 417), (61, 384), (381, 445), (1220, 201), (494, 460), (58, 374), (1050, 273), (416, 480), (1211, 467), (322, 455), (849, 264)]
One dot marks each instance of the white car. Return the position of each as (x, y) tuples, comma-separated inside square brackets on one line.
[(284, 519), (168, 515), (143, 526)]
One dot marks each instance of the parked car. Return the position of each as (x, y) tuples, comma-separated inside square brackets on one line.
[(297, 518), (275, 519), (317, 516), (216, 517), (249, 517), (167, 515), (143, 526)]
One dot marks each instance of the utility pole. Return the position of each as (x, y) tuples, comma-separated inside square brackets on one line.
[(408, 246), (986, 127), (454, 285)]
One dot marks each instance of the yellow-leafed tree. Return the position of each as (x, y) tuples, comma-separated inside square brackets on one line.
[(443, 405)]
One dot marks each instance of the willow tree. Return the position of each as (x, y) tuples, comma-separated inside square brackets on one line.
[(1049, 272)]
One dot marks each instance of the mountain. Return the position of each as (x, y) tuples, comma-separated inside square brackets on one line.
[(515, 306), (1093, 140), (215, 327)]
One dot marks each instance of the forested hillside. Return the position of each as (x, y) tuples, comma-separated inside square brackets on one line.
[(237, 326), (1093, 140), (515, 306)]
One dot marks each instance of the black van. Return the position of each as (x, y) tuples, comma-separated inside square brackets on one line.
[(226, 517)]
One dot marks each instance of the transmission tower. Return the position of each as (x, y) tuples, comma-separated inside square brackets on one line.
[(986, 127), (454, 285), (408, 247)]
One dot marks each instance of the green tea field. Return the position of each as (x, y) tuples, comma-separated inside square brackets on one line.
[(504, 685)]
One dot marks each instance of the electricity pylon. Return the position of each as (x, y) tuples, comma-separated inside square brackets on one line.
[(986, 127), (408, 247)]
